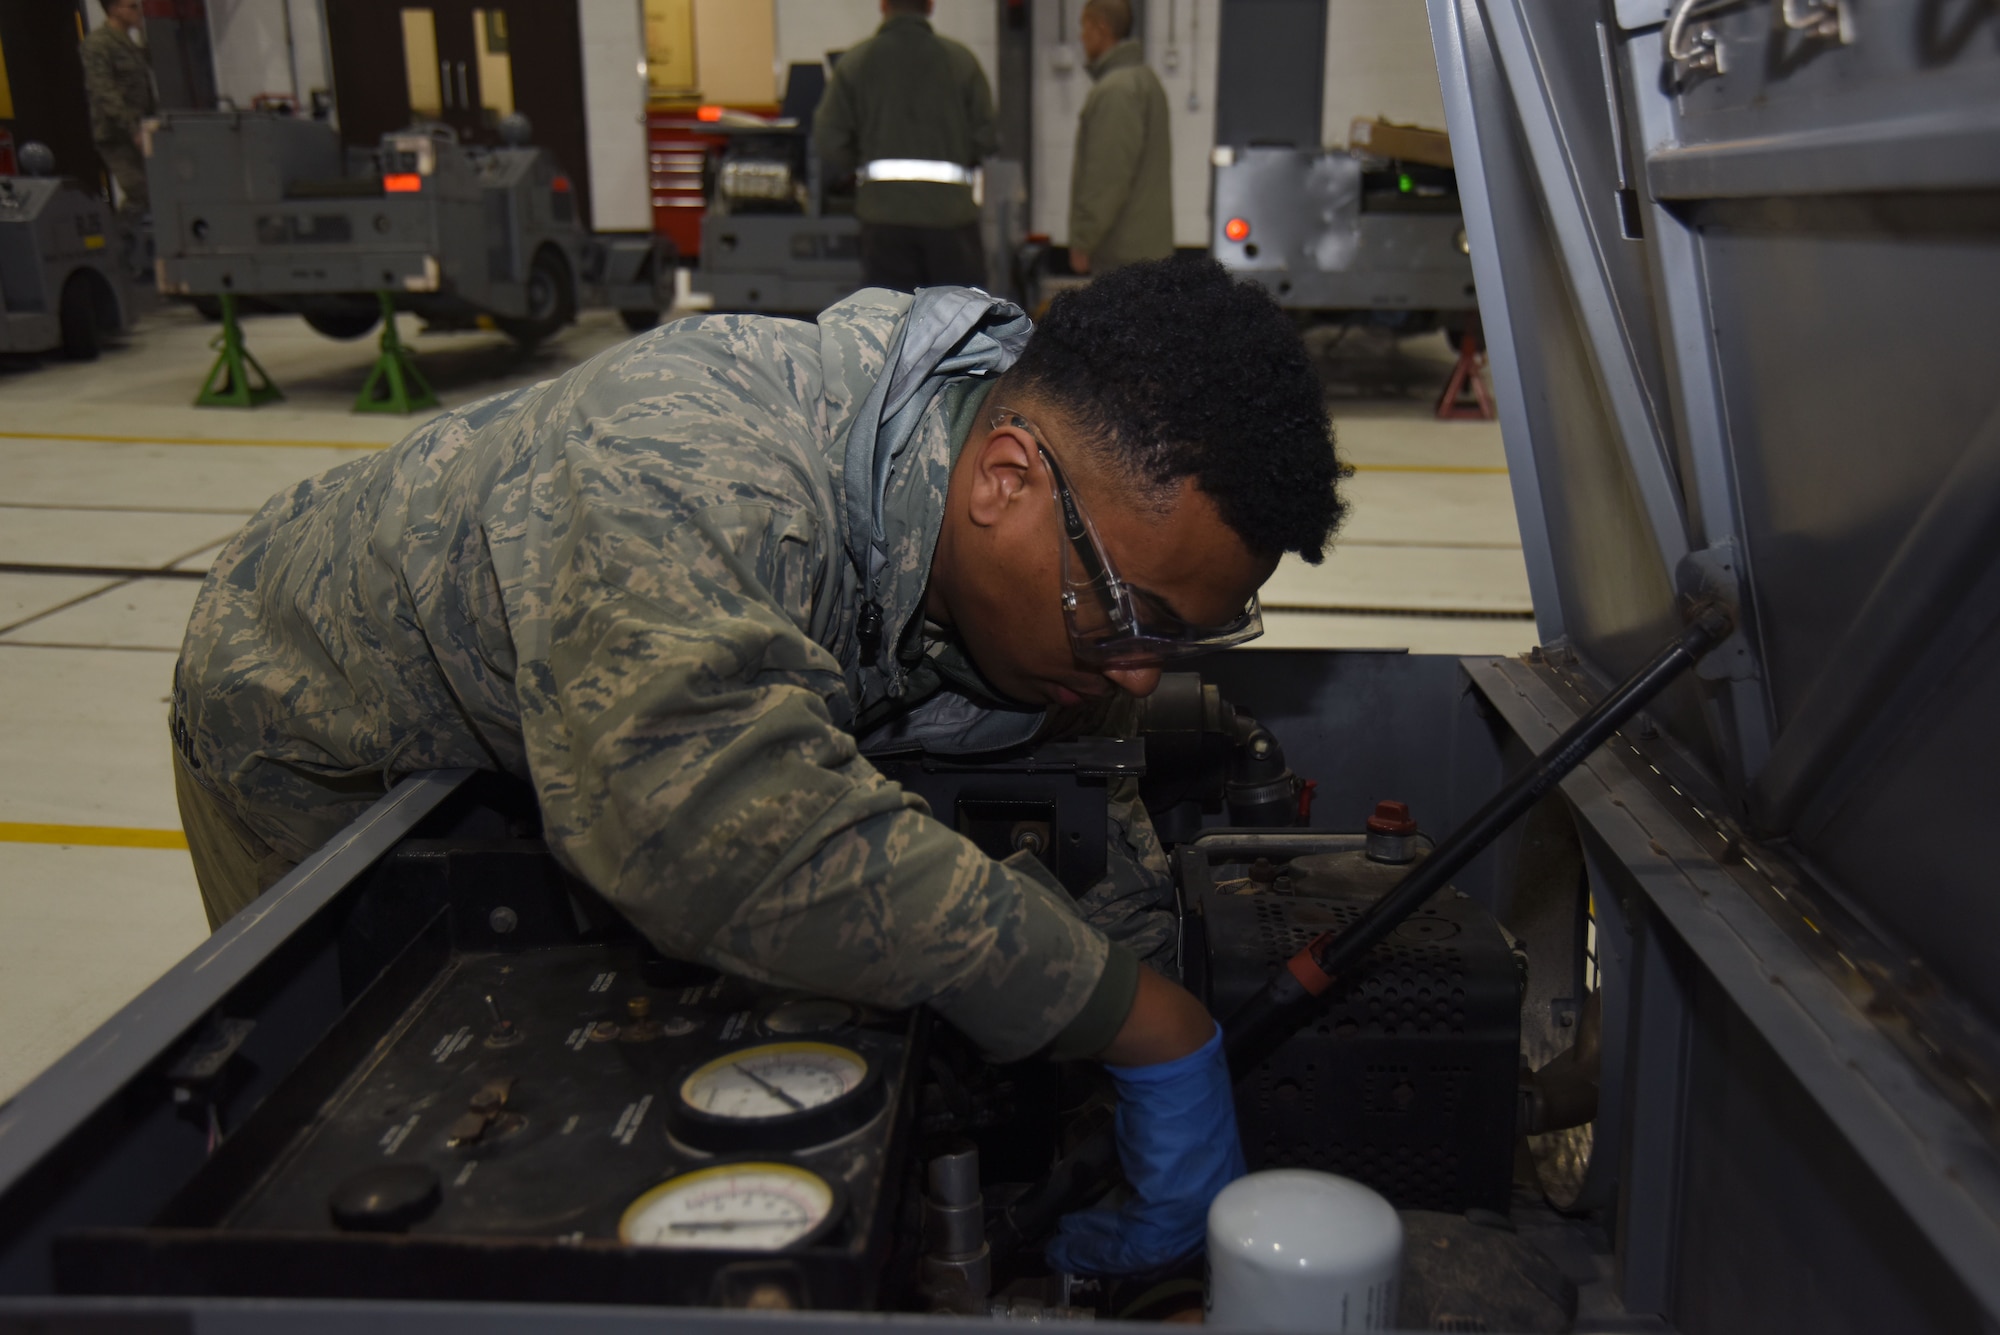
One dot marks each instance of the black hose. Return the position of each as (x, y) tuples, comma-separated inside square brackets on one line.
[(1292, 997)]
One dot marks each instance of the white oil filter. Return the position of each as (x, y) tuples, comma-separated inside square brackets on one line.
[(1291, 1249)]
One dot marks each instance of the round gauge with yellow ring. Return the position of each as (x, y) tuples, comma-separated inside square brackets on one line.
[(775, 1096), (747, 1205)]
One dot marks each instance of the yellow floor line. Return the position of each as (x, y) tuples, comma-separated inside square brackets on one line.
[(89, 836), (195, 440)]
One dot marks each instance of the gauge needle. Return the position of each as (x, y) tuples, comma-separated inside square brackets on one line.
[(725, 1224), (770, 1088)]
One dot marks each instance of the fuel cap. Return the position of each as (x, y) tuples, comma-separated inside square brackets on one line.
[(385, 1199), (1392, 833)]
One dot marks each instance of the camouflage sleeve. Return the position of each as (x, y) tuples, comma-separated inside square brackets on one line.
[(1133, 905), (112, 118), (690, 769)]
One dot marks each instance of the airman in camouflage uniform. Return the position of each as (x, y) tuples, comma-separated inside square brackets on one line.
[(631, 585), (118, 81)]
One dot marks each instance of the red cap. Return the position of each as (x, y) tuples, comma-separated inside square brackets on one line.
[(1392, 818)]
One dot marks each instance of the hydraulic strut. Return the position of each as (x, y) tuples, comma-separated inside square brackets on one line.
[(1292, 997)]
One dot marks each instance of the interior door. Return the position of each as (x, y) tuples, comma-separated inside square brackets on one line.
[(466, 64), (456, 67)]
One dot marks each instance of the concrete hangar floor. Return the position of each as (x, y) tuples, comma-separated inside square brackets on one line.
[(116, 493)]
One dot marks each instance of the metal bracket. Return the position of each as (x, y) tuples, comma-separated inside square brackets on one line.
[(202, 1060), (1713, 575), (1822, 20)]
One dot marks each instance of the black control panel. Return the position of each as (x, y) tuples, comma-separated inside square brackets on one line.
[(568, 1121)]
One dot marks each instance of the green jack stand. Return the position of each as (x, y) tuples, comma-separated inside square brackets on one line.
[(395, 385), (229, 382)]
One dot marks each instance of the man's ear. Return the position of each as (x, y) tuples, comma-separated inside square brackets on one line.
[(1003, 468)]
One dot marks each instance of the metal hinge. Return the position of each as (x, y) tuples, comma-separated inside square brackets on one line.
[(1714, 575)]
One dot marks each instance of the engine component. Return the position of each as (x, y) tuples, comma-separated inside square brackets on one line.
[(1203, 755), (957, 1266), (1049, 800), (1297, 1250), (1289, 999), (1407, 1082)]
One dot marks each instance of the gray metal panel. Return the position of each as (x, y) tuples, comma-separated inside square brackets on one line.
[(1270, 75), (1896, 1134), (1814, 253), (1783, 1226), (1585, 517)]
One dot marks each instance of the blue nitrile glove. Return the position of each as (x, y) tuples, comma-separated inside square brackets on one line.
[(1177, 1141)]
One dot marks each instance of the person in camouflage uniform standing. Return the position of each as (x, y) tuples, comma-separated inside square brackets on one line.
[(687, 589), (118, 81), (910, 115)]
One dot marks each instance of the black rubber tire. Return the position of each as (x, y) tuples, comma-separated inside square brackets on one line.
[(77, 317), (551, 301), (639, 321), (343, 324)]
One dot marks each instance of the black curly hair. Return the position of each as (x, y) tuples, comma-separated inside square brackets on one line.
[(1177, 370)]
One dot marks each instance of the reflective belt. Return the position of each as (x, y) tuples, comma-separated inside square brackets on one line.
[(915, 169)]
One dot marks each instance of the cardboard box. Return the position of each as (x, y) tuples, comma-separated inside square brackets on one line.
[(1409, 143)]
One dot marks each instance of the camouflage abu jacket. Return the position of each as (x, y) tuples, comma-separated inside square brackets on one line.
[(119, 81), (629, 585)]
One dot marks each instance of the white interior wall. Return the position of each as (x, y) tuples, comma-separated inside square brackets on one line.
[(614, 113), (268, 46), (808, 29), (1379, 62), (1187, 28)]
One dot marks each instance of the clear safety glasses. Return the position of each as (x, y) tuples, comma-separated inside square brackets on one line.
[(1113, 624)]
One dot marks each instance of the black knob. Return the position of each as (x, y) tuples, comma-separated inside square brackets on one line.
[(385, 1199)]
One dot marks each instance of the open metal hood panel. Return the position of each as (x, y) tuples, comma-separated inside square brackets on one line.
[(1741, 322)]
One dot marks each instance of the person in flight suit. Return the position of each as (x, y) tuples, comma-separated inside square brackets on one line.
[(910, 115), (687, 589), (118, 83), (1121, 193)]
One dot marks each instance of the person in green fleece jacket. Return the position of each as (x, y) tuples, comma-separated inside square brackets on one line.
[(1121, 192)]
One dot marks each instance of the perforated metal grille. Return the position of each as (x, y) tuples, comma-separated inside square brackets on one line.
[(1406, 1081), (1408, 986)]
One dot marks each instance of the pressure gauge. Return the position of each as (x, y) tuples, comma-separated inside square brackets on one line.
[(752, 1206), (776, 1095), (809, 1015)]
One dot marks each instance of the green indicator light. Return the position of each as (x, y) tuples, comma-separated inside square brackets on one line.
[(1405, 184)]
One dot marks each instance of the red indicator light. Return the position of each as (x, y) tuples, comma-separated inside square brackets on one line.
[(708, 113), (402, 183), (560, 185), (1237, 229)]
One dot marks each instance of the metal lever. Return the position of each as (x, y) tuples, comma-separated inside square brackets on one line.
[(1256, 1029), (1292, 997)]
